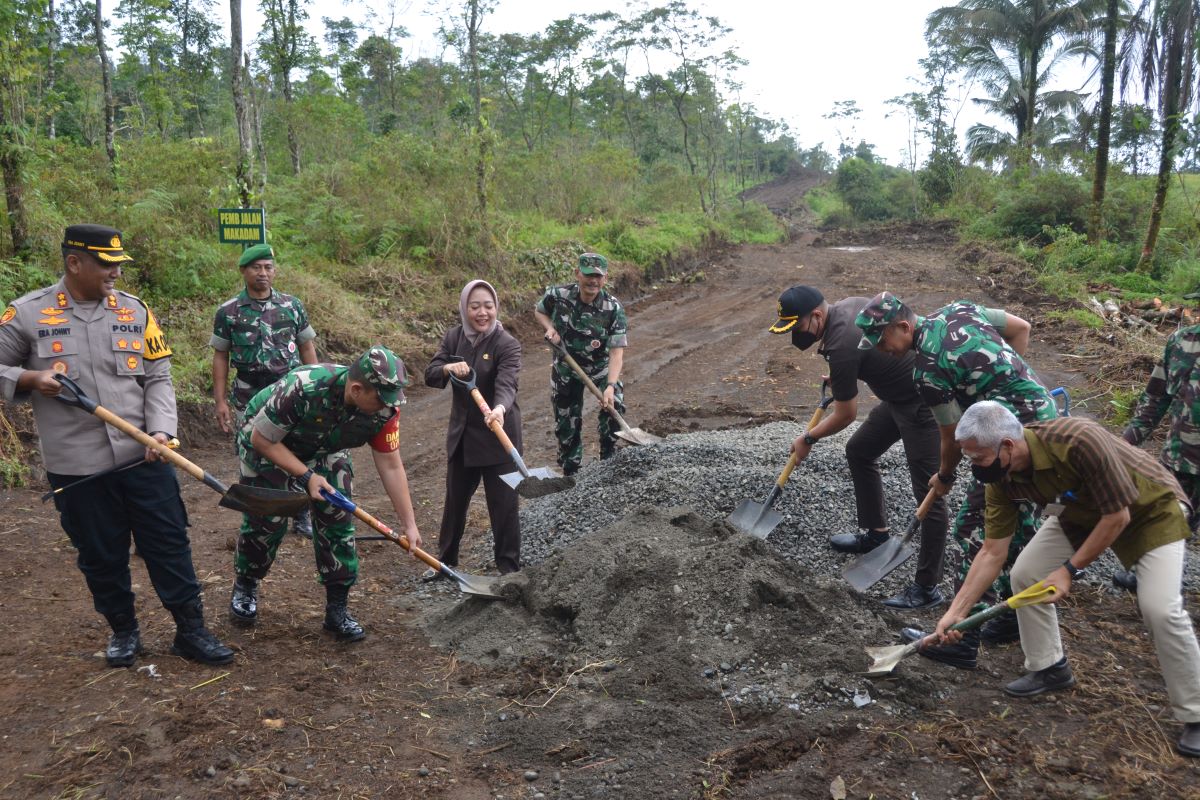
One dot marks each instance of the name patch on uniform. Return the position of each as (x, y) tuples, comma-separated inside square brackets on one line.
[(126, 328), (44, 332), (52, 320), (8, 315)]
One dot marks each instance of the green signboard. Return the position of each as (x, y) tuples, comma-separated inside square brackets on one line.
[(244, 226)]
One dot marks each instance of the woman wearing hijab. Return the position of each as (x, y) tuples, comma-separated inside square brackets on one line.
[(474, 452)]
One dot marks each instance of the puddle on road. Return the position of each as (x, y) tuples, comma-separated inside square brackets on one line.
[(852, 249)]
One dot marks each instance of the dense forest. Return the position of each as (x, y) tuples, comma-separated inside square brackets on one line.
[(388, 179)]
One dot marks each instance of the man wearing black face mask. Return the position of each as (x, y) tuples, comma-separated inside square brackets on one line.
[(1098, 492), (900, 416)]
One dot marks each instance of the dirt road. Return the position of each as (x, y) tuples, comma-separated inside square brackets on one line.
[(393, 716)]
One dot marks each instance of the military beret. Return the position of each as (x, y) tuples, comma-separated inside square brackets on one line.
[(384, 370), (593, 264), (257, 252), (100, 241), (794, 303), (876, 315)]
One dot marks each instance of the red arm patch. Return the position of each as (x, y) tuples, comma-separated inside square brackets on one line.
[(388, 438)]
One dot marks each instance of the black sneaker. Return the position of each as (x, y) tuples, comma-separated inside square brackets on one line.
[(1051, 679), (917, 596), (1125, 579), (1001, 630), (964, 655), (857, 542)]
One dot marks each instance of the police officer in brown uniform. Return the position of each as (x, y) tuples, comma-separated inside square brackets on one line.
[(111, 345)]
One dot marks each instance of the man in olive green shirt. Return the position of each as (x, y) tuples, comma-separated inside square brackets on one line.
[(1098, 491)]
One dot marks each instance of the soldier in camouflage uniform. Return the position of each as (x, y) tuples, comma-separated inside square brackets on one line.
[(299, 432), (263, 333), (591, 324), (1174, 388), (965, 353)]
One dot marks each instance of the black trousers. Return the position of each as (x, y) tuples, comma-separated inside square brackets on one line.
[(461, 483), (99, 518), (913, 424)]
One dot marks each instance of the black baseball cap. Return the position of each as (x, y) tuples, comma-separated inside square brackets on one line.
[(795, 303), (100, 241)]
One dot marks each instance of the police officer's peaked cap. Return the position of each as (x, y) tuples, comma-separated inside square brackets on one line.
[(795, 303), (384, 370), (258, 252), (99, 241)]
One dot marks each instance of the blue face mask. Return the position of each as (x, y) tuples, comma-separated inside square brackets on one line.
[(990, 473)]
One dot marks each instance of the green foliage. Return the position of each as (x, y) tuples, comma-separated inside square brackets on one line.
[(1123, 402), (861, 186), (1078, 316), (1048, 200)]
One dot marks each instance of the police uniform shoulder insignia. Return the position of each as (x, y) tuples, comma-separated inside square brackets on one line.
[(8, 315), (60, 300), (156, 341), (112, 301)]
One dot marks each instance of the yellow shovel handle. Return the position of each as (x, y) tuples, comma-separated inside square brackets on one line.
[(1038, 593)]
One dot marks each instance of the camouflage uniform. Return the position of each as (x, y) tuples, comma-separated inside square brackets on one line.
[(263, 339), (961, 358), (1174, 388), (588, 331), (306, 410)]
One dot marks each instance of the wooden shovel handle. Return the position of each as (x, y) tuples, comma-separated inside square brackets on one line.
[(588, 382), (149, 441), (494, 425), (818, 412), (346, 504), (926, 504)]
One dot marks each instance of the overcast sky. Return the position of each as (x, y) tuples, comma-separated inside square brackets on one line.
[(803, 55)]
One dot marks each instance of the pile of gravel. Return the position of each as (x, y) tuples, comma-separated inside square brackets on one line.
[(711, 472)]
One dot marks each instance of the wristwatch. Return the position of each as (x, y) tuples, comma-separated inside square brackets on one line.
[(947, 480), (303, 480), (809, 439), (1072, 570)]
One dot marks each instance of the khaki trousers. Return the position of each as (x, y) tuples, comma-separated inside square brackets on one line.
[(1160, 576)]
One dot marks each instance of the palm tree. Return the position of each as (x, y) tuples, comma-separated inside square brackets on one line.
[(991, 145), (1163, 36), (1015, 45)]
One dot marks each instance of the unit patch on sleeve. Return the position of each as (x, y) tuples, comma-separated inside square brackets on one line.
[(156, 342)]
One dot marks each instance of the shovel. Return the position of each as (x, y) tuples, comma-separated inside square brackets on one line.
[(124, 465), (632, 435), (870, 568), (529, 483), (885, 659), (253, 500), (759, 519), (469, 584)]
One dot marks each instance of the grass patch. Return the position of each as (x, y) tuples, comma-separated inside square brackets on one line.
[(1078, 316)]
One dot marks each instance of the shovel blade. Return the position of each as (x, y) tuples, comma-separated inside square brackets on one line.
[(755, 519), (885, 659), (474, 585), (637, 436), (870, 568), (259, 501), (541, 482)]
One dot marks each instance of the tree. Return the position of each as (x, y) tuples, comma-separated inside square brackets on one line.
[(466, 37), (1014, 47), (242, 173), (286, 46), (22, 25), (1163, 35), (1112, 18)]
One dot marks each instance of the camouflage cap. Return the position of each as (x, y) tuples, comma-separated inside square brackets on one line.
[(257, 252), (593, 264), (384, 370), (875, 316)]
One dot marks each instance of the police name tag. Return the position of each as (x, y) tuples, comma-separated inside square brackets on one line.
[(1054, 509)]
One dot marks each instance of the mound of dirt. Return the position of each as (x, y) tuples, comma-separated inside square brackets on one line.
[(683, 609)]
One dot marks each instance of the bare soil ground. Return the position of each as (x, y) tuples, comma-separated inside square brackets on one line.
[(413, 711)]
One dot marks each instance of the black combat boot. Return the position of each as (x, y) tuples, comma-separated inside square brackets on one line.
[(337, 619), (126, 641), (193, 640), (243, 606), (963, 655)]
